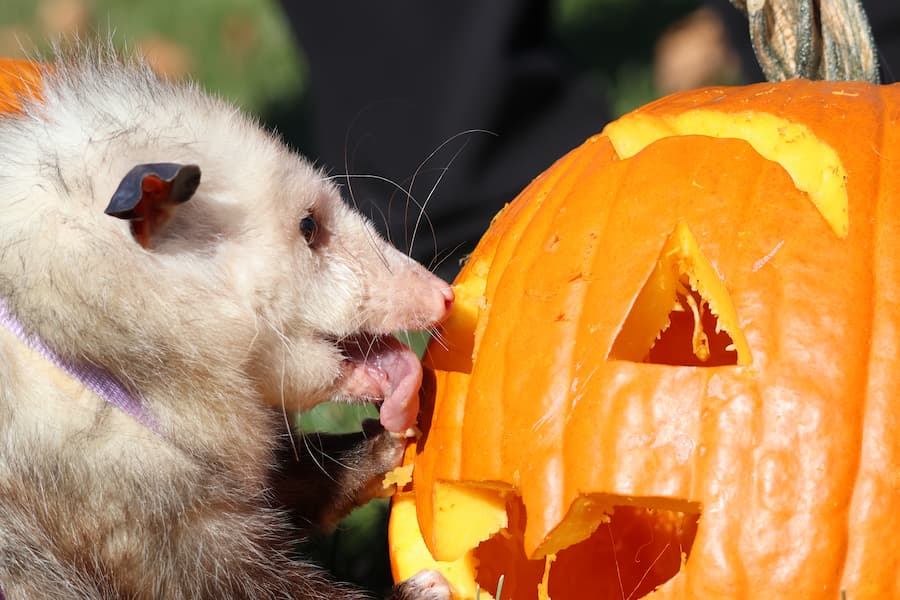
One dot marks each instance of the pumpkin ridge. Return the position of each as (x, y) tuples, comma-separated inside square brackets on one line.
[(570, 491), (552, 397), (527, 207), (866, 359), (860, 560), (588, 230), (565, 179)]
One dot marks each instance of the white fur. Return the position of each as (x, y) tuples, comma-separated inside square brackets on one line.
[(230, 313)]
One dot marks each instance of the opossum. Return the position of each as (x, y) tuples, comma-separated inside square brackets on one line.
[(157, 240)]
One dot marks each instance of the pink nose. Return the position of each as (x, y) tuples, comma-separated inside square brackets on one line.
[(449, 296), (442, 300)]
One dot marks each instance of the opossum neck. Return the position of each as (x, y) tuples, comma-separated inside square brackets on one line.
[(76, 378)]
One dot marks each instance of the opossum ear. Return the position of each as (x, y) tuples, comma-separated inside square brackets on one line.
[(148, 194)]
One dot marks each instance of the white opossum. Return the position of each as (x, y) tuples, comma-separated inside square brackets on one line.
[(260, 294)]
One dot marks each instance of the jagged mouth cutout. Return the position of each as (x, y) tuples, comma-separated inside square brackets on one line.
[(634, 551)]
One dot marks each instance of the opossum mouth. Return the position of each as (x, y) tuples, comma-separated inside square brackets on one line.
[(382, 369)]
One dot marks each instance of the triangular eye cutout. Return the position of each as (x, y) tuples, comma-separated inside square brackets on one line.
[(684, 315)]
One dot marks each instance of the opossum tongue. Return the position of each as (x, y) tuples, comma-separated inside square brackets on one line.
[(384, 368)]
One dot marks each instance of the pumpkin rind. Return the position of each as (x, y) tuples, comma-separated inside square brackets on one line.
[(793, 460)]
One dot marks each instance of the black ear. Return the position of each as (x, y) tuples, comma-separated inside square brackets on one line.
[(148, 193), (170, 183)]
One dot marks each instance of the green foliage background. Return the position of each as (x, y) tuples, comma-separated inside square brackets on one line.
[(243, 50)]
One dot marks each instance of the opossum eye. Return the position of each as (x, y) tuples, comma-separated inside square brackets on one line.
[(309, 227)]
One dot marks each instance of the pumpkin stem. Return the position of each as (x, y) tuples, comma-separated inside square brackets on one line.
[(812, 39)]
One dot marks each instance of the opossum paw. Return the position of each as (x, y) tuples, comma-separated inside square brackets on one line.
[(382, 451), (424, 585), (386, 447)]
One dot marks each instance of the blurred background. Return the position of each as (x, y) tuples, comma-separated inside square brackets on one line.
[(244, 49), (330, 84)]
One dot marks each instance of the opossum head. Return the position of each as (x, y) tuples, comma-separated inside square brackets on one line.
[(258, 268), (327, 292)]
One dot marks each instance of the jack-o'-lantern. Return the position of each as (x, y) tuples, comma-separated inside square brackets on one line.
[(672, 368)]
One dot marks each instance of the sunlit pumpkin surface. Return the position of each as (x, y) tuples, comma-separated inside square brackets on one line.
[(672, 368)]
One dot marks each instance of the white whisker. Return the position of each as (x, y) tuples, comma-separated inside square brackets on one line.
[(437, 261), (647, 571), (433, 153)]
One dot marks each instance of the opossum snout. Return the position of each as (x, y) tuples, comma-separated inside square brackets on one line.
[(408, 297), (419, 300)]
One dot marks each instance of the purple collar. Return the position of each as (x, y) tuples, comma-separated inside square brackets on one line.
[(95, 378)]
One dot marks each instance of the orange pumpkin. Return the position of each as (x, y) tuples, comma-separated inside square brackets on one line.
[(672, 368), (18, 78)]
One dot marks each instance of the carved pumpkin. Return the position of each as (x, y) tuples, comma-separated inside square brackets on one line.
[(672, 366)]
